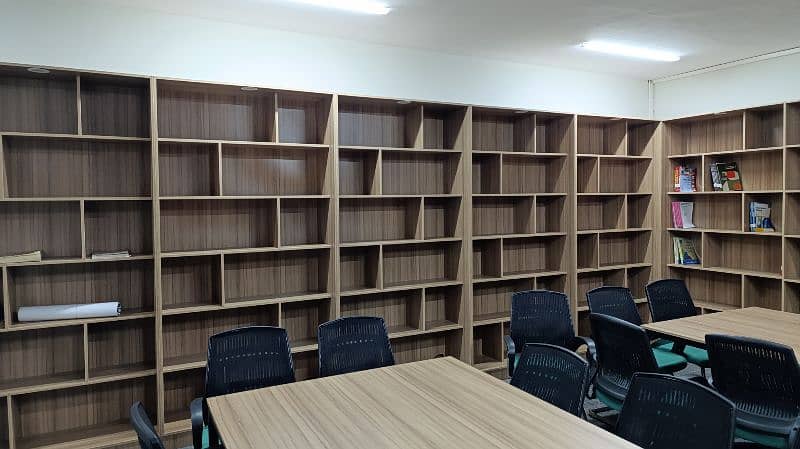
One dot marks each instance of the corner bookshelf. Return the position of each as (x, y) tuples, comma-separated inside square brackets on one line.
[(615, 226), (738, 268)]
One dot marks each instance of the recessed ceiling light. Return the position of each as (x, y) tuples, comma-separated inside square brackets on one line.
[(403, 102), (38, 70), (520, 112), (359, 6), (249, 89), (613, 48)]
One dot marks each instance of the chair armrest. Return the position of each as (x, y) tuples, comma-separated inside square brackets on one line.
[(591, 350), (196, 409), (511, 351)]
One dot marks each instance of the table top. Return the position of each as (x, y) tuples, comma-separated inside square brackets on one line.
[(440, 403), (754, 322)]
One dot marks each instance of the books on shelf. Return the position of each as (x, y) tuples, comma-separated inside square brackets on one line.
[(759, 217), (684, 251), (685, 179), (33, 256), (726, 176), (682, 214), (111, 255)]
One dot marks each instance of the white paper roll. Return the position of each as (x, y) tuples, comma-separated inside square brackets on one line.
[(69, 311)]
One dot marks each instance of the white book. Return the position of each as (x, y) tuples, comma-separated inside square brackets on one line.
[(33, 256), (111, 255), (687, 214)]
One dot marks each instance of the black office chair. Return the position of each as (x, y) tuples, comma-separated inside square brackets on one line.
[(239, 360), (353, 344), (763, 380), (553, 374), (619, 303), (145, 431), (664, 412), (669, 299), (542, 316)]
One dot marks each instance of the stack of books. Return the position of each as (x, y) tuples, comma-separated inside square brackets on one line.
[(33, 256), (685, 179), (111, 255), (684, 251), (725, 177)]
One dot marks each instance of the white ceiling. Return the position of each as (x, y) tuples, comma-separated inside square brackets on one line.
[(705, 32)]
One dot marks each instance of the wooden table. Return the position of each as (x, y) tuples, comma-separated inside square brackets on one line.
[(440, 403), (754, 322)]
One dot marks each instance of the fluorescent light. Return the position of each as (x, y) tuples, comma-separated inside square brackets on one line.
[(360, 6), (631, 51), (248, 89), (38, 70)]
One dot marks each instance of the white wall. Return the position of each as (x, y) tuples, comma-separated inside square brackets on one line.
[(94, 36), (754, 84)]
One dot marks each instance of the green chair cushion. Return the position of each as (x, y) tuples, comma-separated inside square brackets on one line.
[(668, 362), (609, 401), (516, 359), (764, 439), (206, 438), (693, 354)]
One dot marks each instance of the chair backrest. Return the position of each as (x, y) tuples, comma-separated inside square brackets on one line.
[(248, 358), (353, 344), (553, 374), (664, 412), (541, 316), (760, 377), (669, 299), (623, 349), (145, 431), (614, 301)]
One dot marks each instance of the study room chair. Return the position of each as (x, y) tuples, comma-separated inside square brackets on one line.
[(763, 380), (618, 302), (239, 360), (665, 412), (553, 374), (669, 299), (353, 344), (542, 316), (145, 431)]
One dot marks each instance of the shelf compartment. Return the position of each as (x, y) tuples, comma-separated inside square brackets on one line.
[(113, 226), (706, 134), (716, 289), (588, 251), (302, 319), (402, 311), (554, 133), (486, 258), (115, 106), (503, 130), (121, 348), (485, 173), (185, 337), (533, 255), (421, 264), (793, 160), (38, 103), (428, 346), (44, 167), (588, 175), (276, 275), (793, 124), (189, 169), (555, 283), (642, 140), (180, 388), (379, 219), (601, 212), (487, 345), (503, 215), (213, 112), (306, 365), (408, 173), (791, 297), (52, 227), (41, 357), (442, 127), (358, 172), (189, 225), (255, 170), (775, 201), (713, 211), (625, 175), (304, 118), (624, 248), (637, 280), (792, 259), (191, 282), (747, 253), (305, 221), (522, 174), (379, 123), (550, 214), (696, 238), (598, 135), (129, 282), (492, 300), (763, 127), (792, 210), (442, 218), (762, 170), (359, 268), (4, 428), (640, 211), (443, 306), (55, 418), (760, 292), (590, 281)]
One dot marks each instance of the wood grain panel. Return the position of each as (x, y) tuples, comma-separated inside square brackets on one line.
[(531, 175), (429, 346), (303, 118), (711, 288), (119, 226), (52, 227), (554, 133), (378, 123), (180, 388), (533, 255), (377, 219), (601, 212), (359, 268), (301, 320), (443, 306), (503, 215), (305, 221), (115, 106), (590, 281), (193, 281), (402, 311), (485, 173), (551, 215), (443, 127), (442, 218), (38, 103), (598, 135), (500, 130), (275, 275), (764, 127), (750, 253), (188, 169), (41, 356), (119, 348), (423, 173), (419, 264), (707, 134), (625, 248), (493, 299), (358, 173), (260, 171)]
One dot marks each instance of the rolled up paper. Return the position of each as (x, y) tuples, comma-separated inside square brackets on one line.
[(69, 311)]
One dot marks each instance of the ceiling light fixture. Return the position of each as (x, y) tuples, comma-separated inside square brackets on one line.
[(359, 6), (403, 102), (520, 111), (613, 48), (249, 88), (38, 70)]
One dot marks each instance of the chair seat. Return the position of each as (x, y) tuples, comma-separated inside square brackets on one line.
[(764, 439), (668, 362), (693, 354), (608, 400)]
